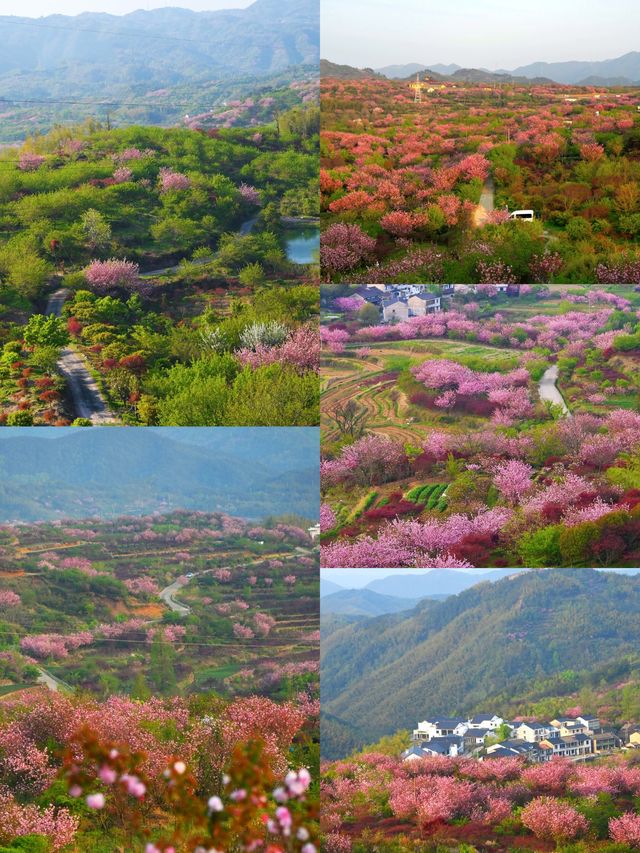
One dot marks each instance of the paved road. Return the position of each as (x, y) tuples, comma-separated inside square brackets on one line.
[(548, 389), (167, 595), (51, 681), (88, 402), (487, 203)]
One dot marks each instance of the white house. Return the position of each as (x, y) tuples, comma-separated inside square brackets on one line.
[(534, 732), (439, 746), (592, 723), (443, 727), (486, 721), (571, 746)]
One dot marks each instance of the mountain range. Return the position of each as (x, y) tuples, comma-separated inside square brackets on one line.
[(109, 472), (153, 49), (398, 591), (153, 67), (620, 71), (473, 650)]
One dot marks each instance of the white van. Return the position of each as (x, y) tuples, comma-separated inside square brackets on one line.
[(527, 215)]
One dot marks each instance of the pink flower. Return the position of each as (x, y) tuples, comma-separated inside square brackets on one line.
[(96, 801)]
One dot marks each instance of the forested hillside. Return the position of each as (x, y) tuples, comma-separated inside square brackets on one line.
[(491, 642), (102, 473)]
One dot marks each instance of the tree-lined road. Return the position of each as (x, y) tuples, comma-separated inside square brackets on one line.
[(87, 400)]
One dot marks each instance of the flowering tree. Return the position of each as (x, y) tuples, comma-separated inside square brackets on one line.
[(552, 819), (626, 830), (344, 247), (250, 194), (104, 276), (8, 599), (249, 809), (173, 181), (29, 161), (513, 479)]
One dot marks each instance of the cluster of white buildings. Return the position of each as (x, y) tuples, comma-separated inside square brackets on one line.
[(397, 302), (491, 736)]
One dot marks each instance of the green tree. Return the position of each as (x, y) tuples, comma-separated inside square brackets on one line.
[(96, 230), (140, 689), (45, 331), (162, 666), (541, 548), (21, 418), (369, 315), (252, 275)]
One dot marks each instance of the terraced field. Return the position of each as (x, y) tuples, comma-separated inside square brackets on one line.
[(381, 382), (177, 603)]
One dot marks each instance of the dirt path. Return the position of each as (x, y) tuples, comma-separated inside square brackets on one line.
[(486, 204), (87, 400)]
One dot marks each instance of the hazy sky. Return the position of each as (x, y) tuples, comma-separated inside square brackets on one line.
[(37, 8), (476, 33), (356, 578)]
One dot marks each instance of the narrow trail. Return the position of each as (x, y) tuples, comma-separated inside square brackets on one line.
[(87, 400), (486, 204), (548, 390), (244, 230)]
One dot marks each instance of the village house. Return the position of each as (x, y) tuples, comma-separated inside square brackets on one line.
[(442, 727), (450, 746), (512, 748), (474, 739), (534, 732), (606, 742), (570, 746), (486, 721), (395, 310), (424, 303)]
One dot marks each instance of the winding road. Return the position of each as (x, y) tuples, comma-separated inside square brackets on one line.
[(167, 595), (87, 400), (548, 389)]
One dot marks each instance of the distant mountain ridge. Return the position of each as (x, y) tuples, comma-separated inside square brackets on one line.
[(363, 602), (619, 71), (345, 72), (490, 642), (118, 471), (160, 47), (435, 582)]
